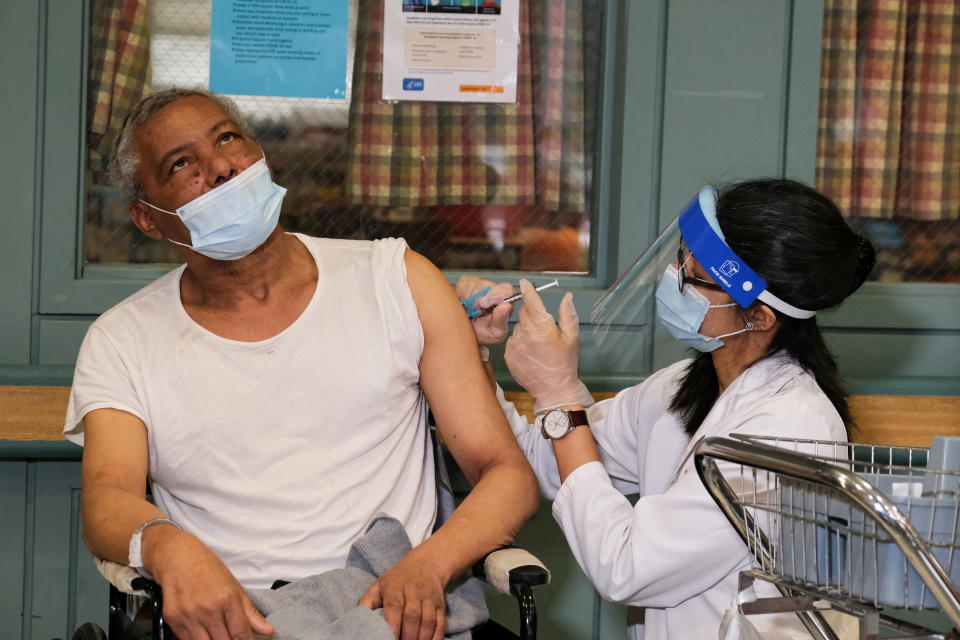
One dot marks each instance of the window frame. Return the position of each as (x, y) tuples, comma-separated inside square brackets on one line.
[(68, 286), (899, 306), (633, 191)]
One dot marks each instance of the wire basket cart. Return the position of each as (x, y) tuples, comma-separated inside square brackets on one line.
[(836, 525)]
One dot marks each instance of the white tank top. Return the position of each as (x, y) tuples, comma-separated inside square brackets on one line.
[(276, 454)]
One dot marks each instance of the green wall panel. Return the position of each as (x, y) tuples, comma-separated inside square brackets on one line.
[(803, 100), (13, 525), (723, 114), (637, 115), (881, 305), (67, 590), (60, 339), (611, 620), (63, 287), (880, 354), (19, 51)]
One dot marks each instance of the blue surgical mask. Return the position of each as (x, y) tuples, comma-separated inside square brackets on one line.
[(231, 221), (683, 313)]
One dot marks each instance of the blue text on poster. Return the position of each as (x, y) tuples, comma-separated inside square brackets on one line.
[(291, 48)]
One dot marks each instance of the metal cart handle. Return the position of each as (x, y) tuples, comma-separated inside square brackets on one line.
[(850, 484)]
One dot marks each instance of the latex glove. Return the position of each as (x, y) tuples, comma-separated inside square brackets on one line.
[(491, 328), (542, 357)]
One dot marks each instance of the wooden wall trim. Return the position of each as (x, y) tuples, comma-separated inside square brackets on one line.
[(904, 420), (32, 413), (36, 413)]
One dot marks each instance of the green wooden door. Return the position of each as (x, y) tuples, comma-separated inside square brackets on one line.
[(13, 501), (66, 590)]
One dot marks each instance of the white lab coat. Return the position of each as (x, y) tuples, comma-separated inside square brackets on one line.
[(673, 553)]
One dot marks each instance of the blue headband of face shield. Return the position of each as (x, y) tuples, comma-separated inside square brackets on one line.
[(701, 232)]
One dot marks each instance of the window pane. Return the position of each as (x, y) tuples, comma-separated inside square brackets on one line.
[(889, 140), (502, 187)]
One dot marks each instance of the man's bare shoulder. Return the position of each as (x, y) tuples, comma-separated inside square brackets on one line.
[(427, 282)]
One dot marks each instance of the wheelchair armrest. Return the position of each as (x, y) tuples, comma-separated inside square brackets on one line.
[(125, 579), (509, 567)]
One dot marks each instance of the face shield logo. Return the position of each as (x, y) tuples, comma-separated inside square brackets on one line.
[(729, 268)]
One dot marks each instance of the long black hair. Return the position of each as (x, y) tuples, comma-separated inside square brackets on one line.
[(796, 239)]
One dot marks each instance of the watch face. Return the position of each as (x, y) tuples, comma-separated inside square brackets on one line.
[(556, 424)]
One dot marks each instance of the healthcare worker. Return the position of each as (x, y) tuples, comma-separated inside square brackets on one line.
[(749, 270)]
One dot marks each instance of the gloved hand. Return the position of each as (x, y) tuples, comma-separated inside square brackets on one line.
[(542, 357), (491, 328)]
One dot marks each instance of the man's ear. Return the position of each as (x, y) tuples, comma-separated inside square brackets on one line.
[(762, 317), (142, 216)]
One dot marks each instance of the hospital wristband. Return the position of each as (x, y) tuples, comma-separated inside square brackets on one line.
[(135, 551)]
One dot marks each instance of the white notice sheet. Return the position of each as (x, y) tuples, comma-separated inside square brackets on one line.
[(451, 50)]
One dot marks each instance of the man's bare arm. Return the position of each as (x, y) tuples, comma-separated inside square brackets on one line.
[(470, 421), (474, 428), (201, 598), (113, 503)]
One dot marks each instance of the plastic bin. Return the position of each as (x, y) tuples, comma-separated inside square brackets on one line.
[(825, 540), (879, 571)]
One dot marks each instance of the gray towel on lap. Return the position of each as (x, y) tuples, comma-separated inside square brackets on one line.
[(324, 606)]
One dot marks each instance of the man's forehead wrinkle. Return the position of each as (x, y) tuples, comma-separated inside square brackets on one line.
[(153, 145), (153, 131), (223, 122), (149, 132)]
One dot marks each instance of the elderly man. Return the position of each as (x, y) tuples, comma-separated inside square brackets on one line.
[(273, 389)]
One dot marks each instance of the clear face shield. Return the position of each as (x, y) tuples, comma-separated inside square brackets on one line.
[(625, 318)]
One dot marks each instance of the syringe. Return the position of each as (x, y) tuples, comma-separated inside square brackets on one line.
[(489, 310)]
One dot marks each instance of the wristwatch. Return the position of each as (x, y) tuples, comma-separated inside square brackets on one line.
[(557, 423)]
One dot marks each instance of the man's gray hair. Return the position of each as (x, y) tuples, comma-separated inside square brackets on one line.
[(124, 161)]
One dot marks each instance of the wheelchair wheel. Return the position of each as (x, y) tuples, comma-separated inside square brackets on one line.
[(89, 631)]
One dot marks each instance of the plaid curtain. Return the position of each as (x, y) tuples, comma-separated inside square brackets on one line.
[(889, 128), (119, 74), (426, 153), (557, 37)]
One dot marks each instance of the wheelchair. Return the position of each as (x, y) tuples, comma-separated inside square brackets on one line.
[(136, 603)]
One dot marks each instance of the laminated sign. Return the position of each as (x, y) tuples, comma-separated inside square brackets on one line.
[(451, 50), (289, 48)]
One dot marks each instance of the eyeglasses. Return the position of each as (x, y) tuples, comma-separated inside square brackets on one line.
[(695, 281)]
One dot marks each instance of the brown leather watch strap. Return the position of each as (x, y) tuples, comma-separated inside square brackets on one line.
[(578, 418)]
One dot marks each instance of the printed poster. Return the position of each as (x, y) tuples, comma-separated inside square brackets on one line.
[(451, 50), (290, 48)]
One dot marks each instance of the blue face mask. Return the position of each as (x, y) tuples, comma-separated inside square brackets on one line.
[(683, 313), (231, 221)]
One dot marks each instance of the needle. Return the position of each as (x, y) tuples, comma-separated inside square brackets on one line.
[(489, 310)]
